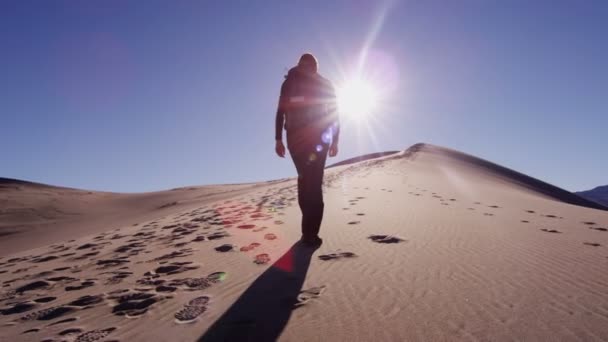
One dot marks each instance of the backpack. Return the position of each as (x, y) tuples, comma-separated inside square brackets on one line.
[(306, 100)]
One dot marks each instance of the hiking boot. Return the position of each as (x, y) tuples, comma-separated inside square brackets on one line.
[(314, 241)]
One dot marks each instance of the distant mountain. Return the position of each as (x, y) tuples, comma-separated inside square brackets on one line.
[(598, 194)]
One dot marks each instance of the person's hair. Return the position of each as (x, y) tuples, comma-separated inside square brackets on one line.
[(308, 60)]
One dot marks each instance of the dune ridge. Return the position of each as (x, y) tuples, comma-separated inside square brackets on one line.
[(507, 174)]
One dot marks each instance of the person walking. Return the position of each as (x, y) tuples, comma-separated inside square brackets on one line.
[(307, 110)]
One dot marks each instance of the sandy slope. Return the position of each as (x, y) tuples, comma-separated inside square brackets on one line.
[(426, 244), (33, 215)]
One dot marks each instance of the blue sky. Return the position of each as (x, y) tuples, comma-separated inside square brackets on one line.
[(136, 96)]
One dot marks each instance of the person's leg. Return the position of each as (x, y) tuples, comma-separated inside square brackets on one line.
[(310, 164), (300, 161), (315, 194)]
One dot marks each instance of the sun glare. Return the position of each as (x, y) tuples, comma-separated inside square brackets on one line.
[(356, 99)]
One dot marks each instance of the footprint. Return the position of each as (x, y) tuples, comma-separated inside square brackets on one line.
[(164, 288), (84, 256), (71, 319), (31, 331), (385, 239), (354, 222), (270, 236), (111, 262), (134, 304), (246, 226), (216, 277), (93, 246), (524, 221), (174, 268), (45, 259), (37, 285), (550, 230), (310, 294), (217, 235), (225, 248), (62, 278), (83, 285), (175, 254), (18, 308), (48, 314), (94, 335), (195, 284), (117, 277), (360, 214), (251, 246), (71, 332), (594, 244), (44, 299), (262, 259), (488, 214), (21, 270), (589, 223), (333, 256), (87, 300), (600, 229), (192, 310)]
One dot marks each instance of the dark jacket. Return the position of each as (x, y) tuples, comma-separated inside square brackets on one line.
[(307, 109)]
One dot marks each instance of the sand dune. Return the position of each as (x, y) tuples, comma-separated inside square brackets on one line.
[(33, 214), (424, 244)]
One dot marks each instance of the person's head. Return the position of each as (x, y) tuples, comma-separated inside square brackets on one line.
[(308, 63)]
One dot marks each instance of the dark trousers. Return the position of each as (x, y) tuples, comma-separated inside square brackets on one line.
[(310, 163)]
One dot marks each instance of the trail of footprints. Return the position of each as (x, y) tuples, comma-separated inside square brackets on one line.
[(23, 298), (112, 253), (479, 205)]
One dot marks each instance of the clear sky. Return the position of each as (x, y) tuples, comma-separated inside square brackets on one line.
[(136, 96)]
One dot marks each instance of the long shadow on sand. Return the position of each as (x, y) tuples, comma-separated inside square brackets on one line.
[(263, 310)]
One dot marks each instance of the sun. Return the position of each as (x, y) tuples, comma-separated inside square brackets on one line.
[(356, 98)]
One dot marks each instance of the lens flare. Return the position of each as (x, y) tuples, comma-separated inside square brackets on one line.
[(357, 98), (327, 135)]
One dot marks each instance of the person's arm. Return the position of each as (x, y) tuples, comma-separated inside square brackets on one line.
[(334, 116), (279, 121), (280, 118), (334, 121)]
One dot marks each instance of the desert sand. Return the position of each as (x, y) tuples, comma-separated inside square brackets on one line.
[(426, 244)]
